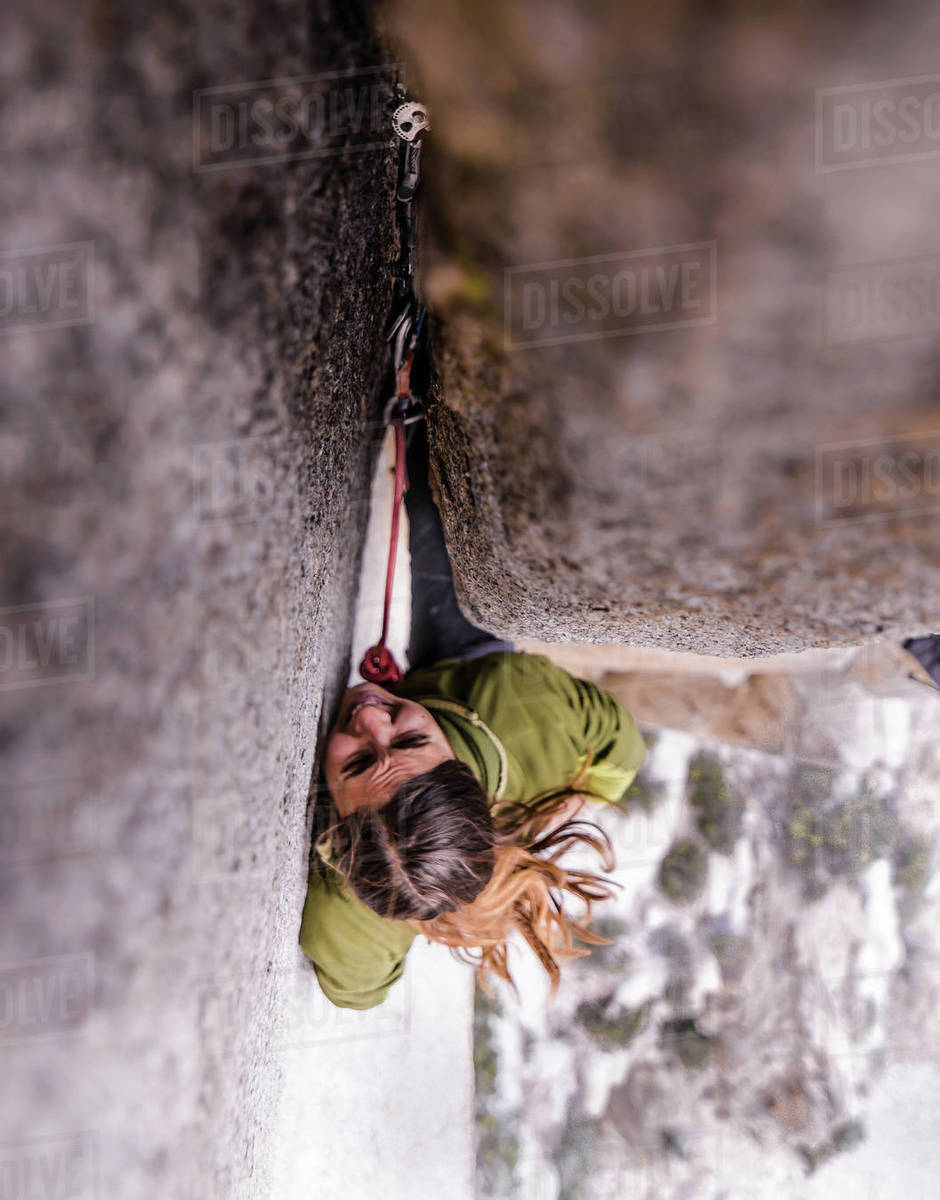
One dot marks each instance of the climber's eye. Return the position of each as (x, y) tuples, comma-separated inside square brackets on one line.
[(364, 760)]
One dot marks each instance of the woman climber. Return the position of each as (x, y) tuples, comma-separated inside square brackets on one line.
[(453, 794)]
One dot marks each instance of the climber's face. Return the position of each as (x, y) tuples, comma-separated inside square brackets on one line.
[(378, 741)]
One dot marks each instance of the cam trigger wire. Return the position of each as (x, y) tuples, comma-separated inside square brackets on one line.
[(410, 122)]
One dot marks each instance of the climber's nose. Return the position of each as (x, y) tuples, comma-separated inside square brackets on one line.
[(373, 719)]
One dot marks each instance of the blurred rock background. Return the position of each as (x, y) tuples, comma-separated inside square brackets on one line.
[(764, 1020), (676, 487)]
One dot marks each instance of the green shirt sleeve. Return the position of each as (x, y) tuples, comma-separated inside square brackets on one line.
[(611, 733), (592, 721), (357, 954)]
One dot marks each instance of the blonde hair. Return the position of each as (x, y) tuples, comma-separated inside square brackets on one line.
[(527, 889)]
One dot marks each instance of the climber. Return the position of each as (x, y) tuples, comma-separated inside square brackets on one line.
[(452, 794)]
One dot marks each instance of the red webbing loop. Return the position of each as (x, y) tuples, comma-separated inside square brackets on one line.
[(403, 377), (378, 664)]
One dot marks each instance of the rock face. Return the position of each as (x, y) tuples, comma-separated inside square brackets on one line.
[(674, 410), (193, 307)]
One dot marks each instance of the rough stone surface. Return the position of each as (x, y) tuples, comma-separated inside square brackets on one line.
[(677, 488), (183, 474)]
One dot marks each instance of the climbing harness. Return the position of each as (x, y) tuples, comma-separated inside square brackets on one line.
[(410, 122)]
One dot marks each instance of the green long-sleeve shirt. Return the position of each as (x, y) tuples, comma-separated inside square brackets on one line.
[(524, 726)]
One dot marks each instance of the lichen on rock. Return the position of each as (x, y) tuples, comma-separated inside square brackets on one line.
[(683, 871)]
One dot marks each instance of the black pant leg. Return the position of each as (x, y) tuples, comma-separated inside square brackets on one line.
[(438, 627), (927, 652)]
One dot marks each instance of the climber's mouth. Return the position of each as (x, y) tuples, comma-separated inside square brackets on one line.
[(363, 700)]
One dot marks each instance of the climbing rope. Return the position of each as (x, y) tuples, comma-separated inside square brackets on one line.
[(410, 122)]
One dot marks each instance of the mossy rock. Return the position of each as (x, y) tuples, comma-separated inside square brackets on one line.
[(611, 958), (692, 1047), (576, 1158), (845, 1137), (674, 947), (497, 1154), (911, 870), (677, 951), (643, 792), (731, 951), (650, 737), (718, 808), (485, 1057), (614, 1031), (683, 871), (813, 786), (676, 991), (484, 1005), (485, 1063), (497, 1143), (841, 839)]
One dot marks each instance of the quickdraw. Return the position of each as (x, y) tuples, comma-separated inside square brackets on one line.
[(410, 122)]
